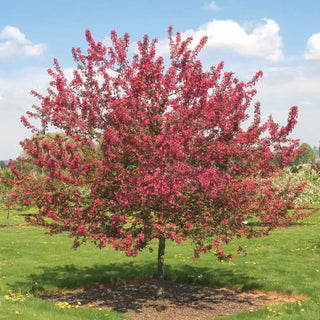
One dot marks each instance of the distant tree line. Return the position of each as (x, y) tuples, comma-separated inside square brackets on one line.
[(308, 155), (3, 164)]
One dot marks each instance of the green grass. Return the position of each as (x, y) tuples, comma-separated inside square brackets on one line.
[(288, 260), (16, 215)]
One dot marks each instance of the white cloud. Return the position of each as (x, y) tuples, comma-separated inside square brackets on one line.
[(14, 43), (280, 89), (313, 47), (264, 40), (13, 33), (33, 50), (294, 82), (15, 100), (211, 6), (305, 103)]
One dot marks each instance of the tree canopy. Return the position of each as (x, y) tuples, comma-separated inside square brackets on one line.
[(154, 151)]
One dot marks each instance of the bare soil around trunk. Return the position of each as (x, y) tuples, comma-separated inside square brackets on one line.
[(138, 299)]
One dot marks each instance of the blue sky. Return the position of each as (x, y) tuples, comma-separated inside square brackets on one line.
[(281, 38)]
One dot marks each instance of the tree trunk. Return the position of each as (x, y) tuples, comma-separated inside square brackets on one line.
[(161, 249), (8, 215)]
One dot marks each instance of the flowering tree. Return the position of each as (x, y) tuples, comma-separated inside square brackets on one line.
[(146, 151), (6, 185)]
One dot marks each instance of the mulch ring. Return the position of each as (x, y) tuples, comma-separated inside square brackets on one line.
[(138, 299)]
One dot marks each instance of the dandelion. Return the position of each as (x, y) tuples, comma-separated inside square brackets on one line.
[(62, 304), (16, 297)]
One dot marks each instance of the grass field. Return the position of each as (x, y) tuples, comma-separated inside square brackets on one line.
[(288, 260)]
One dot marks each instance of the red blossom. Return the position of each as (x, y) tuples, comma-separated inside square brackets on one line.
[(145, 150)]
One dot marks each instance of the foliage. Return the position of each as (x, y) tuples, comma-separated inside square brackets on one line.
[(302, 174), (316, 167), (3, 164), (149, 151), (306, 155), (6, 186)]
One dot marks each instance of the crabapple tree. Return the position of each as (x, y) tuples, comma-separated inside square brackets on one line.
[(141, 150)]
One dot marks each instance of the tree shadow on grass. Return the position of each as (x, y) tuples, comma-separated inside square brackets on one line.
[(69, 277), (130, 288), (212, 277)]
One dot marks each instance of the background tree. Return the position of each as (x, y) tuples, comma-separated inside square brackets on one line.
[(154, 152), (3, 164), (306, 155), (6, 187)]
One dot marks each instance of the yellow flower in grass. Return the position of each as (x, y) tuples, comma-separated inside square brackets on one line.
[(65, 305), (16, 297)]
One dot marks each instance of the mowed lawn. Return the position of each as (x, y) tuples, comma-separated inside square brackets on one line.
[(286, 261)]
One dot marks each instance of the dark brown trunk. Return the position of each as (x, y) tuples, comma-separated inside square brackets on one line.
[(161, 249), (8, 215)]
